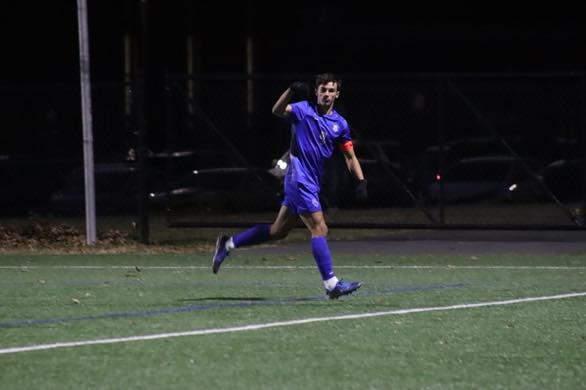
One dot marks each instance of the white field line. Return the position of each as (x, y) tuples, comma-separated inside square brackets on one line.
[(289, 267), (245, 328)]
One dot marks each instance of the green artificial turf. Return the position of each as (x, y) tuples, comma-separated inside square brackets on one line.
[(63, 298)]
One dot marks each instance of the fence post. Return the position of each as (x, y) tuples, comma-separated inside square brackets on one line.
[(582, 129), (143, 123), (441, 142), (170, 143), (88, 140)]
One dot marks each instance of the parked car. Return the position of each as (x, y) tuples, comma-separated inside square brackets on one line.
[(495, 178), (564, 178), (452, 152), (227, 189), (116, 190), (27, 184)]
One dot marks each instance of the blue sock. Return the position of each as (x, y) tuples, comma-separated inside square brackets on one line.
[(323, 259), (255, 235)]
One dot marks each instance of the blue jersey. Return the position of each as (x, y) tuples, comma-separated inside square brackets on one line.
[(313, 139)]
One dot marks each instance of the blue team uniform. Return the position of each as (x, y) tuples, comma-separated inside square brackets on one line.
[(313, 139)]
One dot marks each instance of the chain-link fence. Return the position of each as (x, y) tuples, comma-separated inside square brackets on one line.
[(41, 155), (437, 150)]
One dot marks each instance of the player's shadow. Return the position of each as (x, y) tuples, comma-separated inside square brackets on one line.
[(224, 299), (251, 299)]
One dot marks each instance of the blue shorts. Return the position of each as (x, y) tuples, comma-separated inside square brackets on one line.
[(299, 199)]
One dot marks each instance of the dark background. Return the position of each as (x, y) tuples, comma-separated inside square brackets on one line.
[(303, 38), (39, 77), (40, 38)]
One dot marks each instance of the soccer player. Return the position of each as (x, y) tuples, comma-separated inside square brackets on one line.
[(316, 130)]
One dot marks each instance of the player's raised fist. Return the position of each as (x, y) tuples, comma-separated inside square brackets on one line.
[(300, 90)]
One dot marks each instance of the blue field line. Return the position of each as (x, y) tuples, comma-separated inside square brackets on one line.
[(417, 288), (242, 302)]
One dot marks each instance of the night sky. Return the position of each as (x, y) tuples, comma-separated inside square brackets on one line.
[(39, 81), (40, 78), (41, 39)]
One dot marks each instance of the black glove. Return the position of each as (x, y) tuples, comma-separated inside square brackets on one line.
[(299, 90), (361, 191)]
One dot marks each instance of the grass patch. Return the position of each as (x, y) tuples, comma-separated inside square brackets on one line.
[(48, 298)]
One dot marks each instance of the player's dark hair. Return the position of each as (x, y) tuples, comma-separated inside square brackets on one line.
[(324, 78)]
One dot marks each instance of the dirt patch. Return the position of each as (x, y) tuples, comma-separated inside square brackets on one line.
[(43, 237)]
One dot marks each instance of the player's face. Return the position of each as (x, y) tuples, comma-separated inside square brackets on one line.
[(327, 93)]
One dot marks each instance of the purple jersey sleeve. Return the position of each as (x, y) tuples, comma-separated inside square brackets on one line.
[(297, 112)]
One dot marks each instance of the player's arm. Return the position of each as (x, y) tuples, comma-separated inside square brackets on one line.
[(282, 108), (352, 161), (360, 192)]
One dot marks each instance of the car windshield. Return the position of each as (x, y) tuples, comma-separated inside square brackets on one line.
[(480, 171)]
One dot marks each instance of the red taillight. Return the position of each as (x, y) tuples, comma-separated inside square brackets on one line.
[(438, 177)]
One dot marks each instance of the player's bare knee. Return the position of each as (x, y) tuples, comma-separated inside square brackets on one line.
[(321, 230)]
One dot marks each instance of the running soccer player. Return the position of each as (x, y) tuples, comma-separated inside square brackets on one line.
[(316, 130)]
